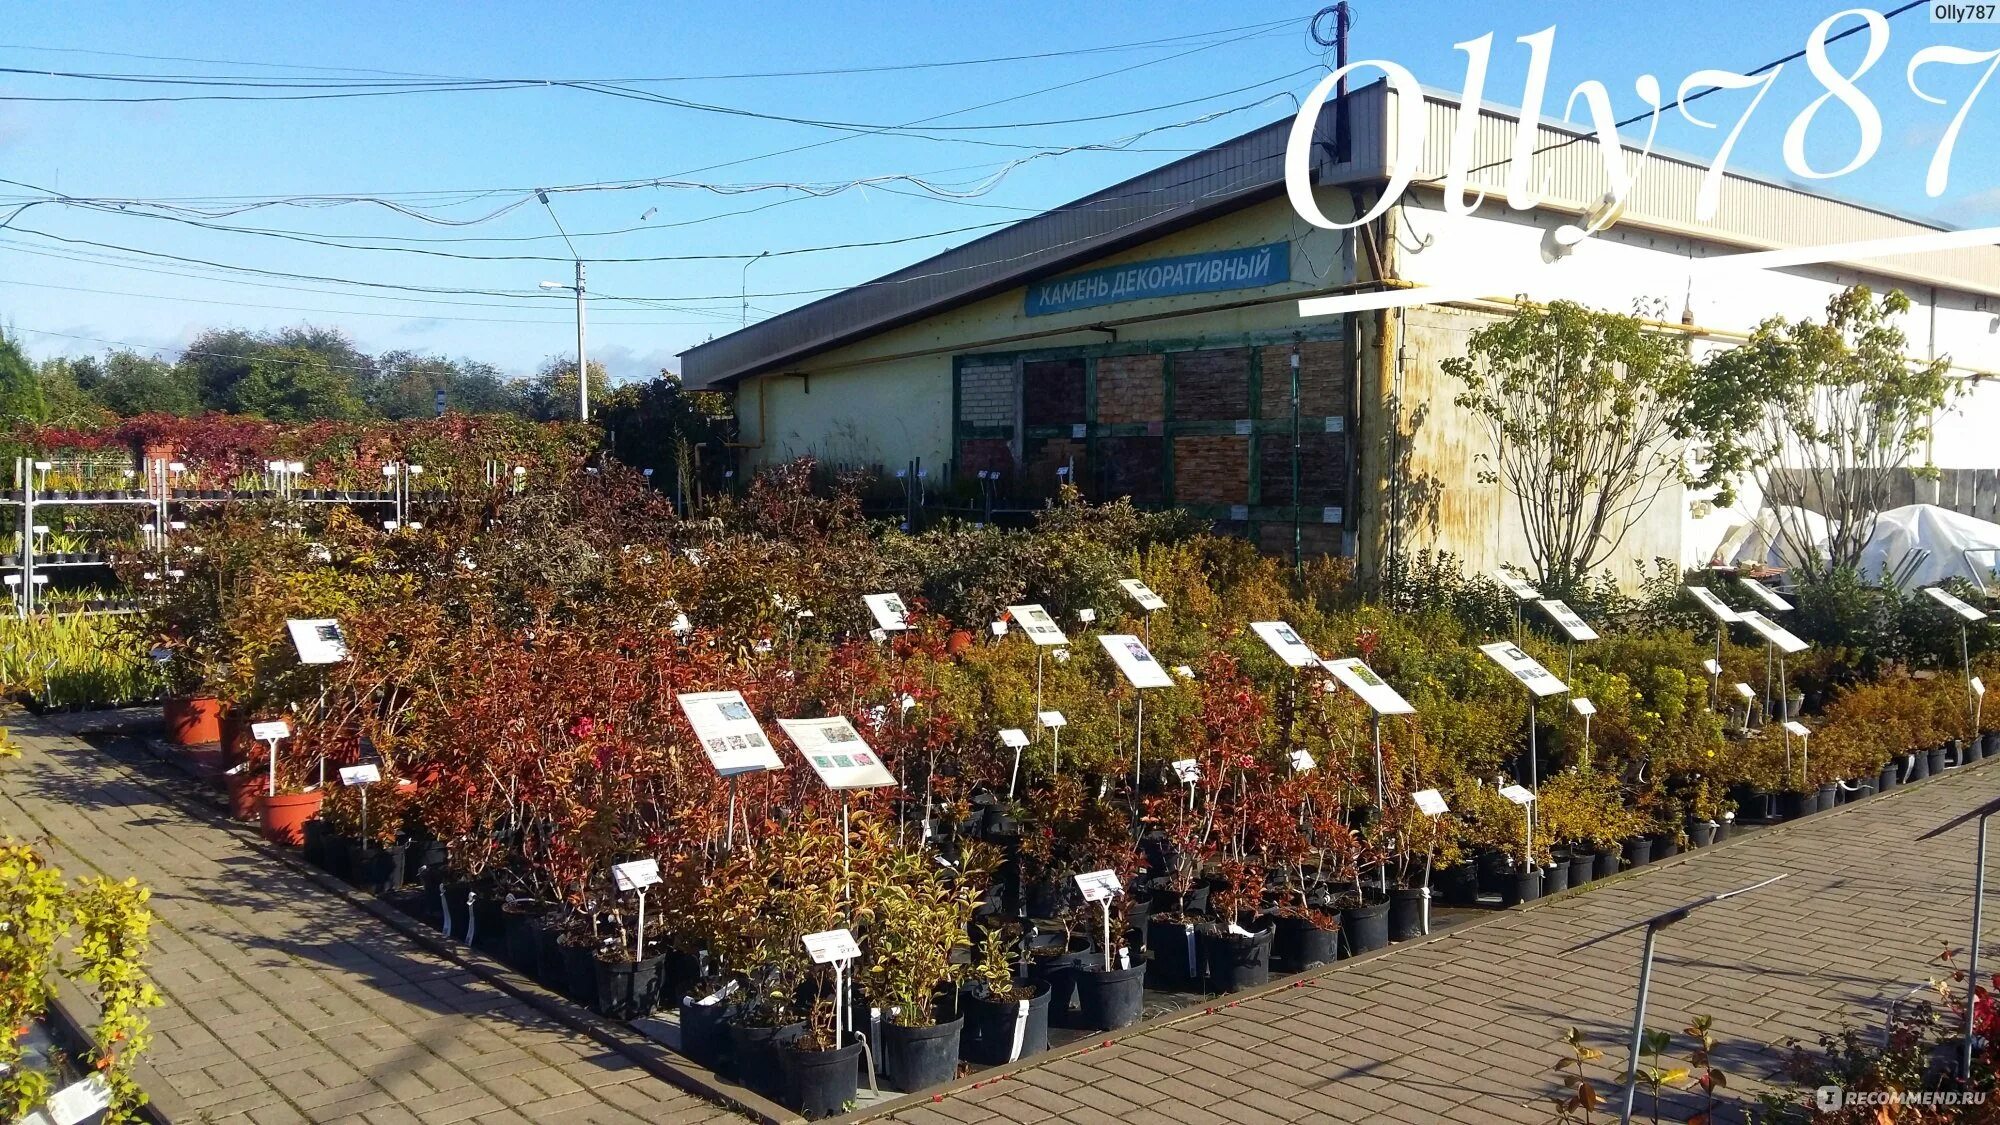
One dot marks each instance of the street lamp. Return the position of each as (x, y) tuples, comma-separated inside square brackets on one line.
[(746, 286), (582, 361)]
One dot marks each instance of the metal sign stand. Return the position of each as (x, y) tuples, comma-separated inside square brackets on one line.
[(1981, 814)]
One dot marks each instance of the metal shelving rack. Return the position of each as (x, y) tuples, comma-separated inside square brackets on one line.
[(24, 578)]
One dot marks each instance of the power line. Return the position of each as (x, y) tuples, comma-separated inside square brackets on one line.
[(343, 312)]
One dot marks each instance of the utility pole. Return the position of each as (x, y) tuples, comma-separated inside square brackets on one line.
[(582, 355)]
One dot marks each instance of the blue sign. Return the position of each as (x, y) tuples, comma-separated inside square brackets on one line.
[(1245, 268)]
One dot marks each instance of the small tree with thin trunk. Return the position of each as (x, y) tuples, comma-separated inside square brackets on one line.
[(1837, 414), (1587, 412)]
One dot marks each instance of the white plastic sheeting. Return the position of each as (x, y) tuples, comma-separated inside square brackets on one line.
[(1958, 546)]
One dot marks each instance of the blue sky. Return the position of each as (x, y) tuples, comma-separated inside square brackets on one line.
[(513, 140)]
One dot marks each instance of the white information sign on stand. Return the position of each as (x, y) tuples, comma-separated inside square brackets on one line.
[(1773, 632), (1712, 666), (1765, 594), (1188, 770), (836, 752), (1373, 689), (1796, 727), (1583, 706), (1430, 802), (1132, 658), (890, 612), (1302, 760), (1520, 588), (635, 875), (1099, 885), (829, 946), (1524, 668), (1714, 604), (1519, 794), (1284, 640), (1945, 598), (1978, 687), (1142, 594), (1036, 622), (729, 732), (270, 731), (1051, 719), (76, 1102), (1745, 690), (367, 773), (1575, 627), (1014, 738), (318, 640)]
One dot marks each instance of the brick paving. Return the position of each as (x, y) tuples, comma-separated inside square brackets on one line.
[(1466, 1027), (285, 1003)]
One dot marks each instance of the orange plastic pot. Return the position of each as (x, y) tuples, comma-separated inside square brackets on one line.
[(246, 793), (194, 720), (285, 817)]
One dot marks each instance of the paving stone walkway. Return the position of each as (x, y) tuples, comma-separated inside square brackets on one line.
[(285, 1003), (1466, 1028)]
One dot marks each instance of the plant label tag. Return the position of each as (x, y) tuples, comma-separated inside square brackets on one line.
[(681, 626), (1239, 931), (1051, 719), (367, 773), (1519, 587), (1243, 427), (635, 875), (1373, 689), (270, 731), (1184, 672), (1086, 615), (1036, 622), (1520, 795), (720, 994), (1097, 886), (1142, 594), (729, 733), (79, 1100), (1013, 737), (1079, 430), (318, 641), (1773, 632), (835, 751), (878, 636), (1525, 668), (1574, 626), (1132, 658), (1284, 641), (1711, 666), (1239, 512), (1793, 726), (1978, 687), (1331, 515), (1583, 706), (1430, 802), (692, 555), (1302, 760), (999, 628), (1765, 594), (1188, 770), (1715, 606), (1745, 690), (890, 612), (829, 946), (1945, 598)]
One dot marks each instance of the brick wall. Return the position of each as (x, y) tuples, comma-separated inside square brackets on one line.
[(1322, 468), (1048, 455), (1052, 392), (1212, 386), (1131, 466), (980, 454), (1211, 470), (986, 394), (1323, 379), (1131, 388), (1275, 537)]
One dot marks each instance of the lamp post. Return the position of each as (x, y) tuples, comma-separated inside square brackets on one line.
[(1981, 815), (582, 358), (745, 288)]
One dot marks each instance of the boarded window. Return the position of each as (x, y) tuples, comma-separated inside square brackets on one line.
[(1052, 392)]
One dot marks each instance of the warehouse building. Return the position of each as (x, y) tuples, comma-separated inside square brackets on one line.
[(1146, 340)]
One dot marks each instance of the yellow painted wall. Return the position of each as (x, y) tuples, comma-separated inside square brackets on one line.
[(887, 399)]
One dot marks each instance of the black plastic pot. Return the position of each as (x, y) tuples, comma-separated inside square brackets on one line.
[(916, 1058), (312, 849), (627, 989), (336, 854), (1665, 846), (1555, 878), (548, 970), (1992, 740), (1886, 780), (821, 1083), (1638, 851), (1366, 926), (490, 922), (1792, 806), (375, 869), (1300, 945), (1701, 833), (753, 1055), (1236, 962), (1828, 794), (1525, 886), (1459, 885), (1004, 1031), (1109, 999), (1176, 963), (704, 1030), (1582, 868), (1406, 913), (1971, 751), (524, 936), (1059, 973), (458, 912), (1937, 756), (1607, 862), (579, 974)]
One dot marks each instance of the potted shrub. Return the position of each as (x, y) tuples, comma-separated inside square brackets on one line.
[(1006, 1018), (919, 910), (821, 1079), (1237, 957)]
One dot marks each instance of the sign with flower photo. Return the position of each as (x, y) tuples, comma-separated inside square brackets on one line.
[(729, 733), (1524, 668), (836, 752), (1036, 622)]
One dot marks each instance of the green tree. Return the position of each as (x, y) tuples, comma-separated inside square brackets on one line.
[(1589, 414), (406, 386), (552, 392), (65, 402), (1834, 412), (128, 384), (216, 361), (20, 389), (295, 385)]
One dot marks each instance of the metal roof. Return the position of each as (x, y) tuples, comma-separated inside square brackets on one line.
[(1754, 211)]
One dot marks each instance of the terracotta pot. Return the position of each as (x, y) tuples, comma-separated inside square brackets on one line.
[(246, 794), (961, 640), (285, 817), (194, 720)]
